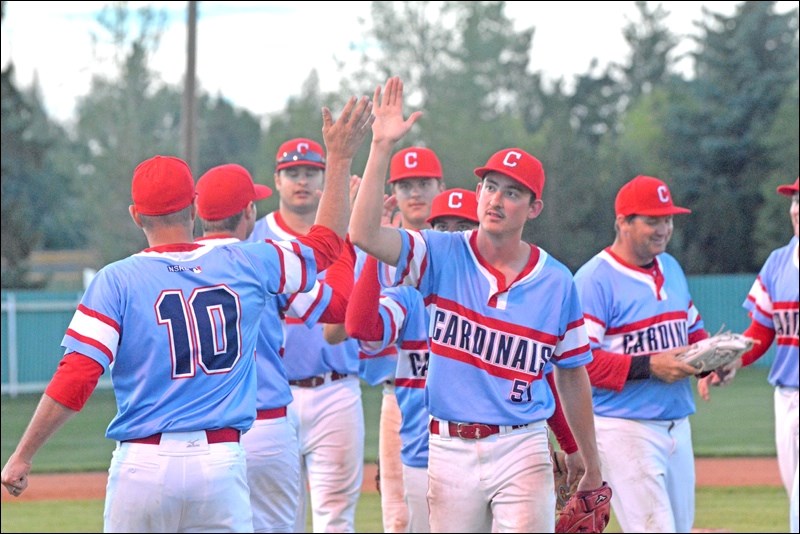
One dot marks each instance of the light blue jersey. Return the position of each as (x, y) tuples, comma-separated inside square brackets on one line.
[(489, 341), (630, 311), (306, 353), (405, 325), (177, 325), (773, 302)]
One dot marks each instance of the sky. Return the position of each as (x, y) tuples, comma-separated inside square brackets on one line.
[(258, 54)]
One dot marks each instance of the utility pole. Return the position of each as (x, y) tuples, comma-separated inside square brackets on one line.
[(189, 115)]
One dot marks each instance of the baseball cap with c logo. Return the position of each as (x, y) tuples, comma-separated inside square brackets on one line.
[(415, 162), (646, 195), (455, 203), (300, 151), (517, 165)]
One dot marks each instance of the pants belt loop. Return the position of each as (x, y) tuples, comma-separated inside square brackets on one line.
[(444, 429)]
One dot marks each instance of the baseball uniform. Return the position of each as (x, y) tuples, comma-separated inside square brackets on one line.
[(494, 341), (326, 412), (773, 303), (186, 314), (631, 310)]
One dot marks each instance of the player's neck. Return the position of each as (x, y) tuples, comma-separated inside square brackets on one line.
[(169, 235), (299, 223), (629, 256), (503, 252)]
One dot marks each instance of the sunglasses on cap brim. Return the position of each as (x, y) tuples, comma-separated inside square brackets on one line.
[(296, 156)]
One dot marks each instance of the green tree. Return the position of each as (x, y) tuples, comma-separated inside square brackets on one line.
[(719, 128), (773, 228), (37, 196)]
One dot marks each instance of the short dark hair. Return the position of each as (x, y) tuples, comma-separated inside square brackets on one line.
[(170, 219), (227, 224)]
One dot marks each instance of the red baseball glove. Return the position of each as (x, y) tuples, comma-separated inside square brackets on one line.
[(586, 511)]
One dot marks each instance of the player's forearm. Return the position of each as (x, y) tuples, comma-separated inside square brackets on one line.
[(366, 231), (47, 419), (558, 422), (334, 206), (576, 396)]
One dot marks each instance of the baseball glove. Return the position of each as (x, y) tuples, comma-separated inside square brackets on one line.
[(586, 511), (716, 351), (563, 490)]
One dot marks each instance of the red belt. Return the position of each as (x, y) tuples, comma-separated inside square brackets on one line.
[(272, 413), (314, 381), (218, 435), (470, 430)]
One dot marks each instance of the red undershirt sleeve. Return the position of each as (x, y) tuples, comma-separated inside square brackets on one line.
[(362, 320), (74, 380), (700, 335), (763, 336), (608, 370), (339, 277), (558, 422), (326, 243)]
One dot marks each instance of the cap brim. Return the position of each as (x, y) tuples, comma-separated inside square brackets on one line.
[(674, 210), (262, 191), (298, 163), (411, 176), (480, 172), (787, 190), (452, 213)]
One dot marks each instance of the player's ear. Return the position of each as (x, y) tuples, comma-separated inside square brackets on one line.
[(137, 220), (535, 208)]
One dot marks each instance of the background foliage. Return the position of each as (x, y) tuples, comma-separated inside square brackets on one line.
[(723, 135)]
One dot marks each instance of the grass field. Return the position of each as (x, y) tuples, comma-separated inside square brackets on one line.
[(756, 509), (737, 422)]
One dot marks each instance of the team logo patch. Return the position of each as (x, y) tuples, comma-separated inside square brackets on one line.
[(181, 268)]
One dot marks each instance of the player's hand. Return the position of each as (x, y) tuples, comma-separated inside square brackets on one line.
[(719, 377), (345, 135), (575, 468), (390, 216), (390, 126), (666, 367), (591, 479), (15, 475)]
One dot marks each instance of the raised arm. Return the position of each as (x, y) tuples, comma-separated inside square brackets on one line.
[(343, 137), (389, 127)]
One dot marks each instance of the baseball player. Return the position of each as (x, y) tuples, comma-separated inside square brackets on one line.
[(415, 179), (326, 410), (773, 308), (639, 315), (176, 326), (499, 311), (401, 319), (225, 196)]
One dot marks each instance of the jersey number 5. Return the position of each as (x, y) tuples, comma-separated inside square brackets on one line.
[(204, 330)]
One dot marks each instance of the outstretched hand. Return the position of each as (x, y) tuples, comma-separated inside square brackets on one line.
[(389, 125), (391, 215), (345, 135)]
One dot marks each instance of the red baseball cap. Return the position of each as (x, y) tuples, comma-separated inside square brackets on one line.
[(300, 151), (789, 189), (415, 162), (226, 190), (455, 203), (646, 195), (517, 165), (162, 185)]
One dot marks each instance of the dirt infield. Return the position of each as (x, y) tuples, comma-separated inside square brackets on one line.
[(710, 472)]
